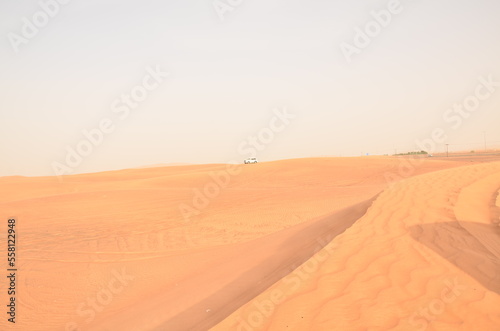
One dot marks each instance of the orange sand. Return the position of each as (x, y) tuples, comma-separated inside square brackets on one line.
[(306, 244)]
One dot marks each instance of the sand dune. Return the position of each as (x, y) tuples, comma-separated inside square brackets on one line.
[(418, 260), (307, 244)]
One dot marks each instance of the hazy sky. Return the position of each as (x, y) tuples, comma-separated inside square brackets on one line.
[(227, 76)]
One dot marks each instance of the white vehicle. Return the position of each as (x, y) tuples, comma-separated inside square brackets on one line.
[(250, 160)]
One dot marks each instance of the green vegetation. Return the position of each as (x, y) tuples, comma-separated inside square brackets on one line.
[(412, 153)]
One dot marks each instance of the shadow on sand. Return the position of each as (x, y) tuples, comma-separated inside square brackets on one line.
[(472, 247), (285, 251)]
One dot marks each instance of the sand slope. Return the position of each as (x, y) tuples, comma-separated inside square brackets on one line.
[(112, 250), (424, 257)]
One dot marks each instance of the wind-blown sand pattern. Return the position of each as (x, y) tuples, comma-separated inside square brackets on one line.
[(424, 257), (308, 244)]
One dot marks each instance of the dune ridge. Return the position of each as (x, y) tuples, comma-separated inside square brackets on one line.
[(418, 260), (111, 250)]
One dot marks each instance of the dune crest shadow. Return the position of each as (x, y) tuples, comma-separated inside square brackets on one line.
[(283, 251), (472, 247)]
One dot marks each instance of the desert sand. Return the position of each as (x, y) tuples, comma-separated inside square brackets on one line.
[(368, 243)]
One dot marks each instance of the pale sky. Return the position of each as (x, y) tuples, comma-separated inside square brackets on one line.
[(227, 76)]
